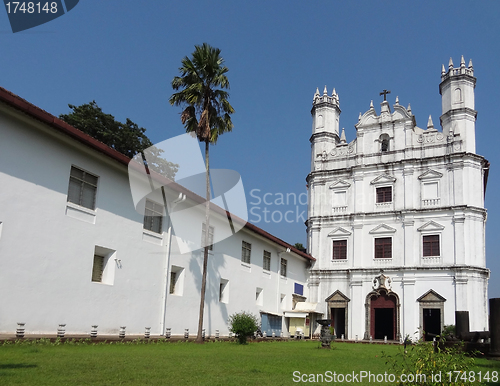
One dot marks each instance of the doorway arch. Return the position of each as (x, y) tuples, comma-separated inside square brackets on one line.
[(382, 315)]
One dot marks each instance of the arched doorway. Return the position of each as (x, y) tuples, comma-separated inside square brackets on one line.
[(383, 315), (382, 311)]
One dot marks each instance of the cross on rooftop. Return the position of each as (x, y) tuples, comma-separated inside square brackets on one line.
[(384, 93)]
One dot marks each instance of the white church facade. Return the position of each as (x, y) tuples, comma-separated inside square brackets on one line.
[(396, 217)]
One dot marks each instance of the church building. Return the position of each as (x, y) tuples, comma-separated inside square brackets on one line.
[(396, 217)]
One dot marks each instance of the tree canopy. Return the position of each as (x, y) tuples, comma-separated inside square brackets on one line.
[(207, 109), (127, 138)]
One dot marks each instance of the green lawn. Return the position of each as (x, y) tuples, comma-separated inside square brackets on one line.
[(220, 363)]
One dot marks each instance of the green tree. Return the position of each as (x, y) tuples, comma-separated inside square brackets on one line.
[(200, 91), (299, 246), (127, 138)]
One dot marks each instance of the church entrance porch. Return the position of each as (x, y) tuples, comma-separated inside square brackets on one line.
[(431, 314), (338, 305), (382, 311)]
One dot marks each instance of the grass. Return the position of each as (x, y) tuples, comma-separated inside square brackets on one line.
[(219, 363)]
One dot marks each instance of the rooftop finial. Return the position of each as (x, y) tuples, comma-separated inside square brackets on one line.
[(397, 100), (443, 71), (371, 105), (409, 109), (342, 137), (325, 91), (450, 64), (334, 93), (462, 62), (470, 65), (359, 117), (430, 125)]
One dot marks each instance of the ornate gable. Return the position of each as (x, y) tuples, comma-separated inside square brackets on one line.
[(382, 228), (339, 232), (339, 184), (430, 174), (431, 226), (431, 296), (337, 297), (383, 179)]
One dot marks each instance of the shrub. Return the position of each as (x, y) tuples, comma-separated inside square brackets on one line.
[(448, 331), (425, 358), (243, 325)]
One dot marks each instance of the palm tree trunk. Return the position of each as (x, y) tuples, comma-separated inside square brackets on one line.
[(199, 338)]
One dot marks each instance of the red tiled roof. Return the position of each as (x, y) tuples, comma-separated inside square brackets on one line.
[(35, 112)]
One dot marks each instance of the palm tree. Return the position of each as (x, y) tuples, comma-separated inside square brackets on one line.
[(206, 113)]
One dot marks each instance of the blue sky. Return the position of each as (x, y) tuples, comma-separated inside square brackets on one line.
[(124, 53)]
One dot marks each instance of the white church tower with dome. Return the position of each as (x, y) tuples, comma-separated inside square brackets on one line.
[(396, 217)]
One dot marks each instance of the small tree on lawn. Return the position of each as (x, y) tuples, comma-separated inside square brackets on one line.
[(243, 325)]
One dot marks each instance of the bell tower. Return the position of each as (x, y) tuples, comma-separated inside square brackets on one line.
[(458, 117), (325, 128)]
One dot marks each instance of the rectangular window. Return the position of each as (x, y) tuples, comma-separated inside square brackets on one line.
[(298, 289), (430, 190), (153, 217), (384, 194), (173, 279), (246, 249), (98, 268), (266, 263), (82, 188), (283, 267), (383, 248), (259, 297), (431, 245), (339, 249), (340, 198), (224, 291), (210, 236)]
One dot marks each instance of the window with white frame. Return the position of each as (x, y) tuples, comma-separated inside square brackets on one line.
[(283, 301), (246, 249), (283, 267), (259, 297), (339, 198), (430, 246), (266, 261), (210, 236), (176, 280), (384, 194), (82, 188), (339, 249), (383, 248), (224, 291), (103, 265), (153, 217)]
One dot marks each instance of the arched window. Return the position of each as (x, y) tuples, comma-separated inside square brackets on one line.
[(384, 142)]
